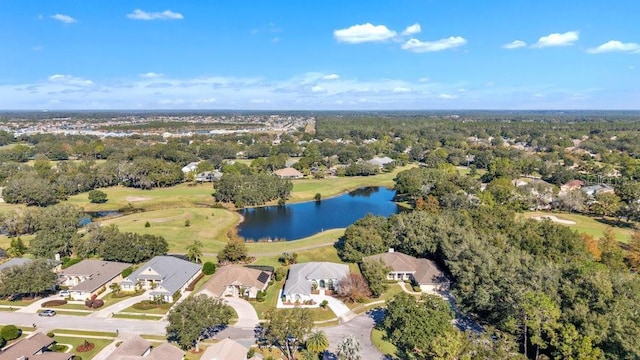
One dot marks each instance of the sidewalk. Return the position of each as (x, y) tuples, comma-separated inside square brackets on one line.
[(117, 307)]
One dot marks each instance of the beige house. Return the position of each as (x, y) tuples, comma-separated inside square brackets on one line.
[(88, 276), (226, 349), (422, 272), (236, 280), (33, 347), (289, 173), (137, 348)]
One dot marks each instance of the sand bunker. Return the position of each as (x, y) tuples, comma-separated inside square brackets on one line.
[(554, 219), (137, 198)]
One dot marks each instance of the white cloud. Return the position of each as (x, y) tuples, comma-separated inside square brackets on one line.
[(412, 29), (615, 46), (138, 14), (418, 46), (400, 89), (447, 96), (69, 80), (364, 33), (557, 39), (423, 79), (151, 75), (331, 77), (318, 89), (514, 44), (64, 18)]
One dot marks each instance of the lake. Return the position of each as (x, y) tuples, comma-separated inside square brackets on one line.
[(300, 220)]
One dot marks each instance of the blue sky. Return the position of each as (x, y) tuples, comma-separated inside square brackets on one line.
[(319, 55)]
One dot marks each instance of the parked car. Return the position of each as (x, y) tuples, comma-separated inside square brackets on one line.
[(47, 313), (64, 293)]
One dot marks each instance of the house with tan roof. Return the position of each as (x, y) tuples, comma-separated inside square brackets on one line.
[(137, 348), (288, 173), (88, 276), (236, 280), (33, 347), (422, 272), (226, 349)]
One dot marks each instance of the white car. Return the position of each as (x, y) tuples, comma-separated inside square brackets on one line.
[(64, 293)]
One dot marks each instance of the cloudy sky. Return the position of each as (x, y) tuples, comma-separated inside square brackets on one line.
[(319, 55)]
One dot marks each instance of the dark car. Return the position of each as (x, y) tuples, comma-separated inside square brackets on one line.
[(47, 313)]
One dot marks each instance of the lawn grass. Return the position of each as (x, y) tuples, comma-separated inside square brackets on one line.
[(278, 247), (69, 306), (585, 224), (385, 347), (320, 314), (209, 226), (137, 317), (152, 311), (270, 299), (76, 341), (5, 241), (18, 303), (87, 333)]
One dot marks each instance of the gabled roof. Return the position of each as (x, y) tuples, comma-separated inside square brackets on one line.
[(288, 172), (398, 262), (14, 262), (226, 349), (380, 161), (137, 348), (425, 271), (133, 346), (300, 275), (31, 345), (99, 272), (235, 275), (174, 272)]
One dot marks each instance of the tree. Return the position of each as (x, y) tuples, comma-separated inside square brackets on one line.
[(17, 248), (57, 230), (633, 256), (367, 236), (29, 189), (97, 197), (115, 288), (287, 329), (194, 251), (353, 288), (208, 268), (34, 277), (540, 315), (235, 251), (349, 349), (375, 271), (132, 248), (607, 204), (195, 318), (612, 254), (317, 342)]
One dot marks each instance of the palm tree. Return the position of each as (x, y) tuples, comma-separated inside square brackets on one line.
[(317, 342), (349, 349), (194, 251), (308, 355)]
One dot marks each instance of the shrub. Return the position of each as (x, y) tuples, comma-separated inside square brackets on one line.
[(147, 224), (208, 268), (54, 303), (187, 223), (97, 196), (2, 342), (10, 332), (86, 346), (324, 304), (97, 303), (76, 357), (67, 262), (260, 296), (126, 272), (280, 273), (51, 334), (318, 197), (58, 348)]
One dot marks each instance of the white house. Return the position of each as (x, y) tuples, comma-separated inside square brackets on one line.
[(164, 275), (303, 278), (380, 161), (190, 167)]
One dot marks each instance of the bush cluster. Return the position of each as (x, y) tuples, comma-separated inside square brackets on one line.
[(54, 303), (10, 332)]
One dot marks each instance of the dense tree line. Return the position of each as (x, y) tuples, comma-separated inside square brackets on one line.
[(32, 278), (252, 189)]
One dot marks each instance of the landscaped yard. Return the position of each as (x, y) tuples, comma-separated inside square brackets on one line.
[(270, 299), (385, 347), (585, 224), (156, 310), (76, 341)]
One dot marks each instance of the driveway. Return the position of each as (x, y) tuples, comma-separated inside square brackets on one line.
[(360, 327), (247, 315), (119, 306)]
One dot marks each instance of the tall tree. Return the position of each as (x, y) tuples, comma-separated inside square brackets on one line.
[(633, 256), (235, 251), (317, 342), (375, 272), (194, 251), (195, 318), (612, 254), (286, 329), (34, 277), (349, 349)]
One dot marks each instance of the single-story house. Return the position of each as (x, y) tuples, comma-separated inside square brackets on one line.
[(226, 349), (33, 347), (288, 173), (571, 185), (136, 347), (88, 276), (14, 262), (594, 190), (163, 275), (236, 280), (209, 176), (303, 278), (380, 161), (422, 272), (190, 167)]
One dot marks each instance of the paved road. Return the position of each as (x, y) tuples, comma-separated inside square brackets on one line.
[(85, 323), (360, 327)]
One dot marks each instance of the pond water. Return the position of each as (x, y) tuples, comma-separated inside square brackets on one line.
[(297, 221), (92, 215)]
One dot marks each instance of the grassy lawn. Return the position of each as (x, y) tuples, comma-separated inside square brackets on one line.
[(270, 299), (137, 317), (320, 314), (75, 341), (17, 302), (70, 307), (385, 347), (210, 226), (278, 247), (84, 332), (5, 241), (154, 311), (585, 224)]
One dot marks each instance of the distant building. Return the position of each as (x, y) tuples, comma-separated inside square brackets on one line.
[(594, 190), (190, 167), (289, 173), (571, 185), (33, 347), (209, 176), (380, 161)]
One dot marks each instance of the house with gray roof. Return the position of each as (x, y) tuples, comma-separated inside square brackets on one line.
[(163, 275), (380, 161), (88, 276), (422, 272), (33, 347), (321, 276)]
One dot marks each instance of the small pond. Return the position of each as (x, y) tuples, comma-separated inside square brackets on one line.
[(92, 215), (300, 220)]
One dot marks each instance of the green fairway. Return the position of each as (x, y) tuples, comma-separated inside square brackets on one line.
[(208, 225), (585, 224)]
